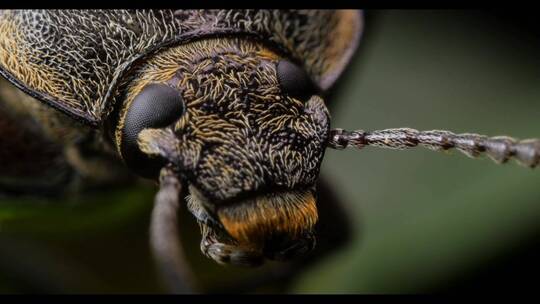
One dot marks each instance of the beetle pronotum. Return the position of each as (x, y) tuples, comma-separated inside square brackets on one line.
[(224, 107)]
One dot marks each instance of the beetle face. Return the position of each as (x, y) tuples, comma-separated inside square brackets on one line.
[(245, 130)]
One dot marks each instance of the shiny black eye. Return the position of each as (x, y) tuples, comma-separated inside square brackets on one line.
[(295, 81), (156, 106)]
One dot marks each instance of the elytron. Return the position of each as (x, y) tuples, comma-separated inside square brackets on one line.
[(224, 108)]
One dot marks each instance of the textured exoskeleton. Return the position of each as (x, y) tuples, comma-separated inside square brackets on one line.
[(223, 107), (227, 102)]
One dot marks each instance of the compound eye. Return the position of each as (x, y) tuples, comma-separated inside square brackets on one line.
[(156, 106), (295, 81)]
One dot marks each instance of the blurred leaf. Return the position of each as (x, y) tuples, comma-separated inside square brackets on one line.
[(72, 214)]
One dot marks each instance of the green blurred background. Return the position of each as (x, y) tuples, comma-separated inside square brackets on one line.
[(424, 221)]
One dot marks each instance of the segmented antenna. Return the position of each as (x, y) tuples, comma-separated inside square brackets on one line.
[(164, 237), (500, 148)]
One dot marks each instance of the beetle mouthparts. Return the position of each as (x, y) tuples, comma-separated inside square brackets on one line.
[(259, 219)]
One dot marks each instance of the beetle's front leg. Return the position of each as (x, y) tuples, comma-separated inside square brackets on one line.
[(41, 151), (96, 164)]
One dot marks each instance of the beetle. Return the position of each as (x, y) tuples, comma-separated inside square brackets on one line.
[(222, 106)]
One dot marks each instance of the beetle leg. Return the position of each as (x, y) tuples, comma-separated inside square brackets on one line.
[(96, 165), (44, 152), (500, 148)]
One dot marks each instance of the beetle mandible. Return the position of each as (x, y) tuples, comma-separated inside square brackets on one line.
[(224, 107)]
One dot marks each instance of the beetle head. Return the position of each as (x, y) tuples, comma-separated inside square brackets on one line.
[(246, 131)]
